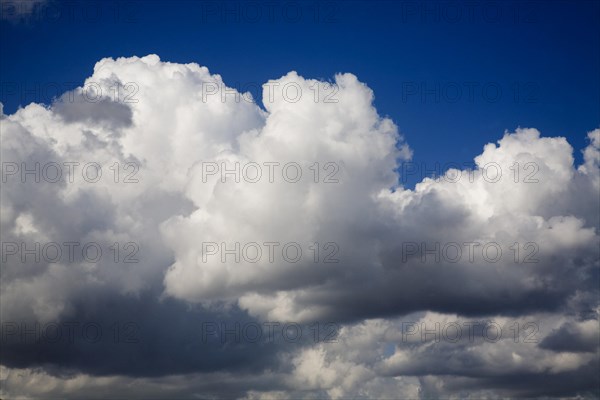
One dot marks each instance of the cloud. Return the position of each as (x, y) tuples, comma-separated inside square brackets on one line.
[(293, 213)]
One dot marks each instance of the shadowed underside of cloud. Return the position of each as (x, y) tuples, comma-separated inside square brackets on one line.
[(177, 128)]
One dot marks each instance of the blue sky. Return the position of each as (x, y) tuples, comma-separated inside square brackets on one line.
[(541, 56)]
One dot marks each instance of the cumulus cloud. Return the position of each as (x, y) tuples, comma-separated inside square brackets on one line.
[(292, 213)]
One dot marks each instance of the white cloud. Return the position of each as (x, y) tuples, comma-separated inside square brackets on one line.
[(173, 129)]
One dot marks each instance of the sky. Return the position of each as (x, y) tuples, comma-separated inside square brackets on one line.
[(405, 205)]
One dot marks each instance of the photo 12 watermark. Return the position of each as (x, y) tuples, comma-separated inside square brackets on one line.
[(290, 92), (454, 172), (271, 171), (68, 92), (455, 331), (69, 11), (270, 252), (469, 252), (468, 12), (69, 252), (268, 332), (69, 172), (469, 92), (69, 332)]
